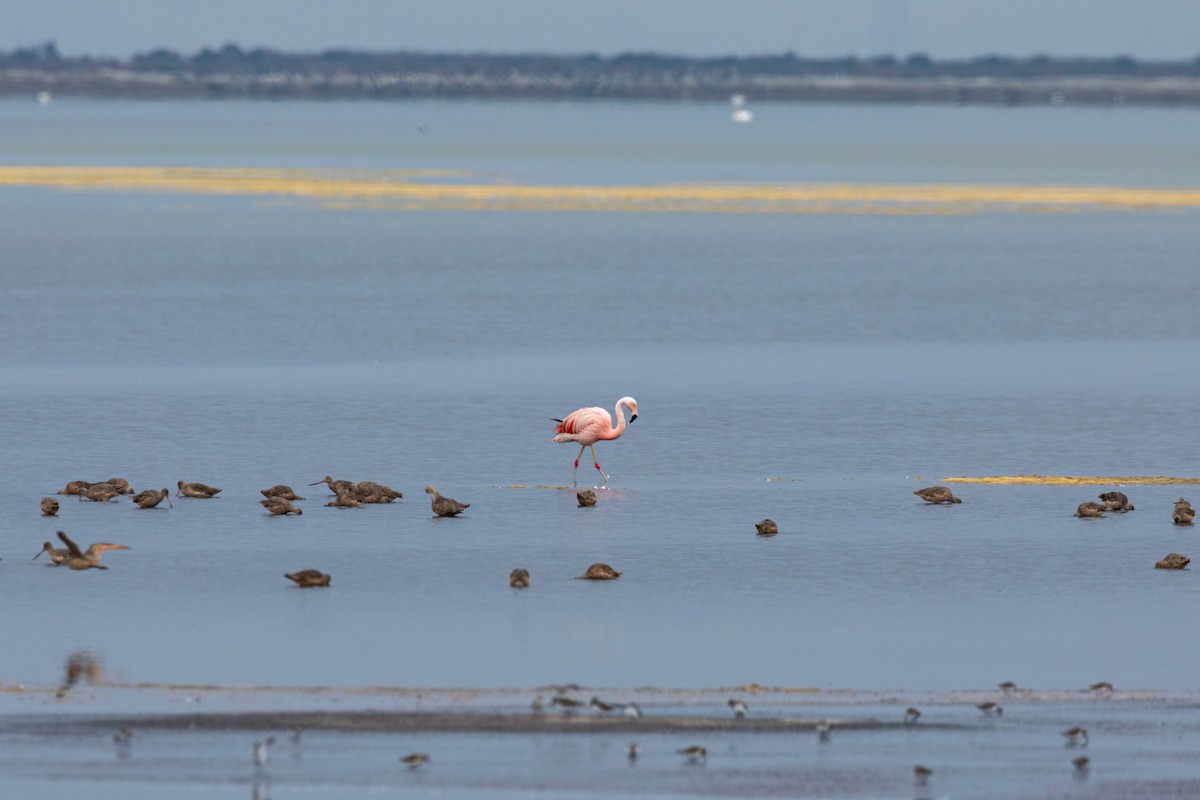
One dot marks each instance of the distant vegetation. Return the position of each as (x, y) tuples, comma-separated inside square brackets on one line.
[(230, 71)]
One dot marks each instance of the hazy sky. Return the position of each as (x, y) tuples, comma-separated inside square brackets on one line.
[(941, 28)]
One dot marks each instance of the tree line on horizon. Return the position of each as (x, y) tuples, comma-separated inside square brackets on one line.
[(230, 58)]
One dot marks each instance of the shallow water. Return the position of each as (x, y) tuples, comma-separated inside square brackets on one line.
[(245, 343)]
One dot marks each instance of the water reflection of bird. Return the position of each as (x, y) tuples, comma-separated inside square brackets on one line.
[(586, 426)]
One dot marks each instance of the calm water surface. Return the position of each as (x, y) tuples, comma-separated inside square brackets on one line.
[(244, 343)]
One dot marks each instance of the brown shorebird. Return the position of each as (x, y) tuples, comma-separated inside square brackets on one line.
[(415, 760), (445, 506), (337, 487), (600, 706), (1103, 687), (58, 556), (922, 773), (1173, 561), (567, 704), (343, 500), (599, 572), (49, 506), (121, 485), (1116, 501), (307, 578), (98, 492), (911, 715), (1076, 737), (1081, 764), (767, 527), (519, 578), (279, 507), (196, 490), (74, 558), (990, 708), (74, 487), (1183, 514), (585, 498), (279, 490), (371, 492), (1090, 509), (150, 498), (936, 494), (1008, 687), (695, 754)]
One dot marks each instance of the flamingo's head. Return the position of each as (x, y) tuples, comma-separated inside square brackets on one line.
[(631, 404)]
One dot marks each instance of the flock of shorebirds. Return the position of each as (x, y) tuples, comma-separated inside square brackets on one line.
[(1112, 502)]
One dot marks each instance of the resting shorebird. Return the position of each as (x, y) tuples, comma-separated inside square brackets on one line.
[(990, 708), (445, 506), (599, 572), (280, 490), (49, 506), (343, 500), (196, 490), (519, 578), (371, 492), (738, 707), (585, 497), (1090, 509), (278, 506), (695, 754), (307, 578), (936, 494), (415, 760), (1183, 514), (911, 715), (1076, 737), (1173, 561), (74, 558), (767, 527), (1116, 501), (99, 492), (73, 487), (150, 498)]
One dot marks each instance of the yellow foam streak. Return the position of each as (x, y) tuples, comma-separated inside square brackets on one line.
[(1069, 480), (432, 189)]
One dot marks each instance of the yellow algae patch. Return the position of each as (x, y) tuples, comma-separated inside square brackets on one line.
[(405, 190), (1069, 480)]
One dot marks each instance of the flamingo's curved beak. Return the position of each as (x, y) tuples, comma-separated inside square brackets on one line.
[(631, 419)]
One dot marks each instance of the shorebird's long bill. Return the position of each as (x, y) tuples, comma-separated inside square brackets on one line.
[(39, 553), (315, 483)]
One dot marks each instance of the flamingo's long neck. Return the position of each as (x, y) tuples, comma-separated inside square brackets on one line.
[(615, 433)]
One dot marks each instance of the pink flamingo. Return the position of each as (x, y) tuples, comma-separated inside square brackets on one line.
[(590, 425)]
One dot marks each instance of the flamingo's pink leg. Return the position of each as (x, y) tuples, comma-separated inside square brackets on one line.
[(575, 475), (597, 462)]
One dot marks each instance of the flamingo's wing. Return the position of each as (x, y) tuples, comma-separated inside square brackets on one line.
[(584, 422), (72, 548)]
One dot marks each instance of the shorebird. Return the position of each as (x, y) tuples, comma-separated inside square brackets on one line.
[(991, 709), (73, 487), (279, 490), (911, 715), (922, 773), (738, 707), (196, 490), (1116, 501), (1090, 509), (277, 506), (519, 578), (1103, 687), (823, 730), (122, 736), (695, 754), (1081, 764), (76, 559), (343, 500), (307, 578), (1183, 514), (261, 751), (150, 498), (599, 572), (1173, 561), (337, 487), (567, 704), (445, 506), (99, 492), (936, 494), (1076, 737), (631, 750), (767, 527), (585, 497), (49, 506), (1008, 687), (415, 760), (371, 492), (632, 710), (600, 706)]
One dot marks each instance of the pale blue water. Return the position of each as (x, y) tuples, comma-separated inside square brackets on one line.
[(245, 343)]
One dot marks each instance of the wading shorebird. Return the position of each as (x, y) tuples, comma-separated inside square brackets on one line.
[(371, 492), (599, 572), (343, 500), (196, 490), (74, 558), (122, 486), (911, 715), (49, 506), (415, 760), (150, 498), (260, 751), (445, 506), (1081, 764), (307, 578), (936, 495), (585, 498), (767, 527), (1183, 514), (337, 487), (631, 750), (922, 773), (632, 710), (990, 709), (1008, 687), (738, 707), (1090, 509), (98, 492), (1116, 501), (277, 506), (519, 578), (567, 704), (1103, 687), (601, 707), (694, 754), (823, 730), (279, 490), (587, 426), (122, 736), (1076, 737), (1173, 561), (73, 487)]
